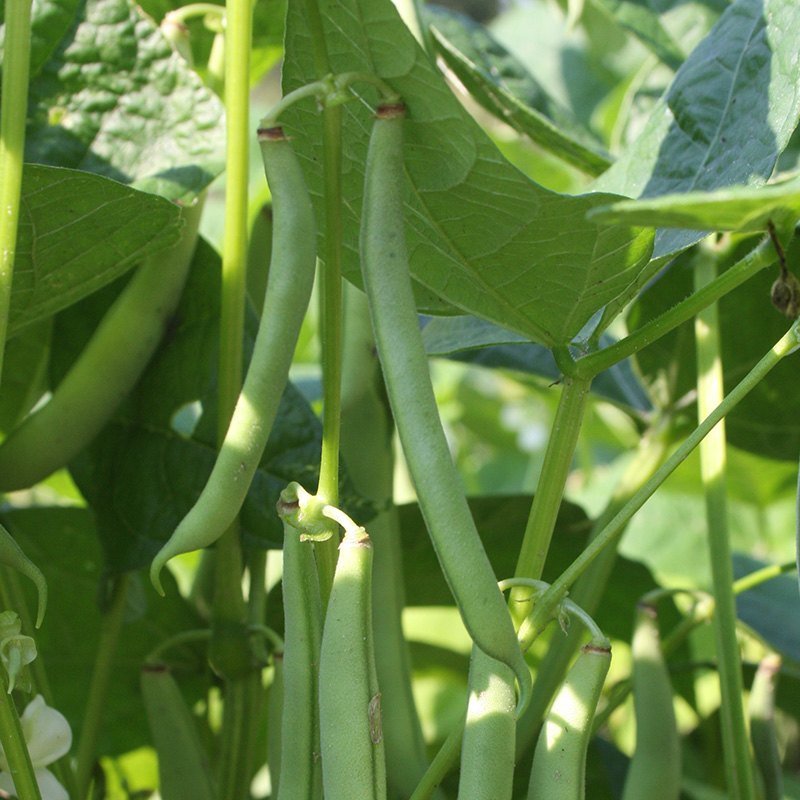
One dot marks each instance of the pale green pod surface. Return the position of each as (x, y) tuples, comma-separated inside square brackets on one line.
[(761, 710), (384, 262), (353, 760), (183, 769), (291, 278), (655, 769), (559, 762), (301, 775), (275, 723), (487, 750), (106, 370)]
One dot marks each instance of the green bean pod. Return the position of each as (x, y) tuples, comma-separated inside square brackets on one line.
[(301, 775), (655, 769), (183, 769), (761, 710), (559, 762), (353, 760), (288, 292), (384, 263), (487, 750), (105, 372)]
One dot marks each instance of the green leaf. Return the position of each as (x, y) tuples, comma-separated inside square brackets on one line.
[(78, 232), (112, 98), (481, 236), (643, 22), (476, 341), (738, 208), (63, 544), (146, 469), (24, 373), (503, 86), (725, 118)]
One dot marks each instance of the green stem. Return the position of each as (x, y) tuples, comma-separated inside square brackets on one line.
[(549, 601), (758, 258), (736, 747), (550, 490), (331, 340), (13, 114), (229, 649), (187, 12), (110, 629), (589, 589), (15, 748)]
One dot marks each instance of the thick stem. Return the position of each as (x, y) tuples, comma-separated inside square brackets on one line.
[(738, 765), (549, 601), (110, 630), (229, 641), (331, 335), (13, 114), (760, 257), (550, 490), (15, 748)]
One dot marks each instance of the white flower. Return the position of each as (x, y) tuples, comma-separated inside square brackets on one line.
[(48, 736)]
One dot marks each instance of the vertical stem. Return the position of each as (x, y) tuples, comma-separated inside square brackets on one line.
[(547, 500), (331, 335), (13, 114), (229, 646), (738, 764), (15, 748), (110, 630)]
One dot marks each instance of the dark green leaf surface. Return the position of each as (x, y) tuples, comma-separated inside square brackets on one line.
[(739, 208), (24, 373), (725, 118), (77, 233), (144, 472), (502, 85), (476, 341), (111, 97), (481, 236), (63, 544)]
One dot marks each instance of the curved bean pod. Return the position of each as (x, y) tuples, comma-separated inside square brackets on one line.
[(291, 277), (487, 751), (559, 762), (655, 769), (301, 776), (353, 761), (384, 264), (12, 555), (105, 372), (761, 709), (183, 769)]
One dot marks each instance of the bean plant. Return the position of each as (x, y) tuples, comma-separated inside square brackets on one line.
[(398, 401)]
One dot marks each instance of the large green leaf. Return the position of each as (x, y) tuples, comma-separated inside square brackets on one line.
[(146, 469), (63, 544), (481, 236), (504, 87), (111, 97), (725, 118), (738, 208), (78, 232)]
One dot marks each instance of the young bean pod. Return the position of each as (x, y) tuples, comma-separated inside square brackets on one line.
[(105, 372), (291, 278), (559, 762), (353, 761), (761, 710), (11, 555), (655, 769), (301, 775), (384, 263), (183, 769), (487, 751)]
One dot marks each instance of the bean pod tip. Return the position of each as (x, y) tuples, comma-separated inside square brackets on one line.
[(274, 133), (391, 110)]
